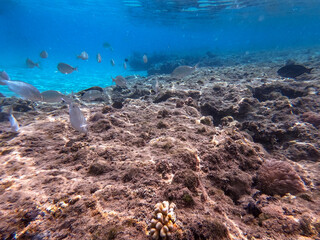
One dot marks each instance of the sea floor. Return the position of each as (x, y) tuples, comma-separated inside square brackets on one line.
[(235, 148)]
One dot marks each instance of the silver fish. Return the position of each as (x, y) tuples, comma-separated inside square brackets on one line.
[(125, 65), (99, 58), (120, 81), (25, 90), (44, 54), (156, 87), (52, 96), (66, 68), (84, 55), (77, 119), (91, 95), (145, 58), (112, 62), (31, 64), (13, 122), (182, 71)]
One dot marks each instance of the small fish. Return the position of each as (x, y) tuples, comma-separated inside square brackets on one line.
[(91, 95), (25, 90), (293, 70), (120, 81), (182, 71), (13, 121), (99, 59), (4, 76), (52, 96), (145, 58), (84, 55), (44, 54), (126, 60), (112, 62), (31, 64), (106, 45), (125, 65), (66, 68), (77, 119), (156, 87)]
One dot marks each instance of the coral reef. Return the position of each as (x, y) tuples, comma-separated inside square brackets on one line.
[(234, 147), (278, 177), (312, 117), (162, 223)]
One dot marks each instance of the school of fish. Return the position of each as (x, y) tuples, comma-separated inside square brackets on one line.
[(77, 119), (30, 92)]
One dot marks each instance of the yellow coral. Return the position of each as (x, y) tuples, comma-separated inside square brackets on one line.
[(162, 223)]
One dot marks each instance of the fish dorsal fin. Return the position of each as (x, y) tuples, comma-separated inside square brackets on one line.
[(66, 99)]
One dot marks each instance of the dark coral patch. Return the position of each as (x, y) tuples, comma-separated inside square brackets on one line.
[(278, 177)]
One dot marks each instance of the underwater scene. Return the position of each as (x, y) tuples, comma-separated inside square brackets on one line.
[(153, 119)]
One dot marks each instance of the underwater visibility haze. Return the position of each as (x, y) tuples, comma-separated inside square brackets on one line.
[(66, 28), (152, 119)]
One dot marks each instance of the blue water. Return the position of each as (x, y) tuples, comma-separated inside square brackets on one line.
[(65, 28)]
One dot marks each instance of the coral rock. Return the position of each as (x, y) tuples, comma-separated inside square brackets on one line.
[(162, 223), (311, 117), (278, 177)]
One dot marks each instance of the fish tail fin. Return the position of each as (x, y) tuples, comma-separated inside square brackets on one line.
[(76, 69), (196, 66), (309, 70)]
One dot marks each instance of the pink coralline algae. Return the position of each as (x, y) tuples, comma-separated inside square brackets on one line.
[(278, 177)]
